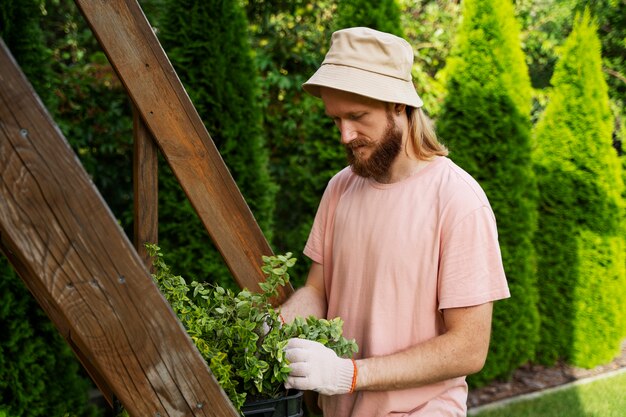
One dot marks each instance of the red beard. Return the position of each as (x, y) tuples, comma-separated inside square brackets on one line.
[(384, 152)]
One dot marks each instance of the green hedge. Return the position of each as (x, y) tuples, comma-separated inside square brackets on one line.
[(581, 260), (20, 29), (485, 121), (580, 242), (598, 299)]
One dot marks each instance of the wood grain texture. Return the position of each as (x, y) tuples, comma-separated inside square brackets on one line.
[(146, 189), (143, 67), (66, 245)]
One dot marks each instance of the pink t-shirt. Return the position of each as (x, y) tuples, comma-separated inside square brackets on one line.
[(396, 255)]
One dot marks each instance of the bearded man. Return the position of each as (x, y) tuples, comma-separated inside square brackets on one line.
[(404, 248)]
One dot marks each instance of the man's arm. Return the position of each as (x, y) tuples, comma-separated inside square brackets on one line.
[(460, 351), (308, 300)]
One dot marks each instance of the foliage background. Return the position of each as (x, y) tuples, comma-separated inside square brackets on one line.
[(485, 121), (287, 40), (39, 375), (580, 238), (214, 57)]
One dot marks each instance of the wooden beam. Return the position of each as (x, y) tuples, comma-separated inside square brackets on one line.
[(143, 67), (75, 258), (146, 188), (35, 285)]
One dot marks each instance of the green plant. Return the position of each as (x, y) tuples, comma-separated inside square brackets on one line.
[(485, 121), (241, 336), (580, 243)]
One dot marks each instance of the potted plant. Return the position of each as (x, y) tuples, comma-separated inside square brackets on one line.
[(242, 337)]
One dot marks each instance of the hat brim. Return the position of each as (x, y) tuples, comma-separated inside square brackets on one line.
[(364, 83)]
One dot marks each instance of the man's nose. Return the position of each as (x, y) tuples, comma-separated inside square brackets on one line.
[(348, 133)]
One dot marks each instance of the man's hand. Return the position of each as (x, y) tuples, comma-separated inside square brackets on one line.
[(316, 367)]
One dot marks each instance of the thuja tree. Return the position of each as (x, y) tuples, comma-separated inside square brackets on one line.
[(547, 23), (610, 16), (486, 124), (20, 29), (580, 248), (208, 44)]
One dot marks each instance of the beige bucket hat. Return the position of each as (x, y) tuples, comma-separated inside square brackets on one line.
[(370, 63)]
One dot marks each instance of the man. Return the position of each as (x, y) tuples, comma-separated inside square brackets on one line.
[(404, 248)]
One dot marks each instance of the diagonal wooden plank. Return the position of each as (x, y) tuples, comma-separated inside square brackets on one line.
[(134, 51), (64, 242), (145, 189)]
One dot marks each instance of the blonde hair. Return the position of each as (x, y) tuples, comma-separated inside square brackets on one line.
[(422, 135)]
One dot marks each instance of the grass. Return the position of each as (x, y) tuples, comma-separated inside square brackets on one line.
[(603, 397)]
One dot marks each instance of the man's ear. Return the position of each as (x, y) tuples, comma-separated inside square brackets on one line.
[(399, 108)]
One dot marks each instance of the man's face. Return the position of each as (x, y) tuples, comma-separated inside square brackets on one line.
[(368, 130), (384, 152)]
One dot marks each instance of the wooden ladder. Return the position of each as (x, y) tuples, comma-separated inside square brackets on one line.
[(63, 241)]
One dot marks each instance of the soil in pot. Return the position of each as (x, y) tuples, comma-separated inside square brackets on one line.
[(289, 405)]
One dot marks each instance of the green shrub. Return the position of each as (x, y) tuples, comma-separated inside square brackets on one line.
[(20, 29), (597, 332), (485, 121), (430, 26), (241, 335), (580, 242)]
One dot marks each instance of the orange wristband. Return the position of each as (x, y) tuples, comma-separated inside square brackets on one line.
[(354, 375), (282, 319)]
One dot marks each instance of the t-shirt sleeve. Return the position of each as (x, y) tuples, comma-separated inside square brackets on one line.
[(314, 245), (471, 270), (314, 248), (322, 225)]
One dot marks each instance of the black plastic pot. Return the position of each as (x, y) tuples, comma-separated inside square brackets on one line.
[(289, 405)]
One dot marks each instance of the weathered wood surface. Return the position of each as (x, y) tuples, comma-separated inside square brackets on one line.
[(139, 60), (146, 188), (62, 239)]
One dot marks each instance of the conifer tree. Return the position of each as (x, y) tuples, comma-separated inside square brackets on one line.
[(485, 121), (20, 28), (208, 44), (580, 245)]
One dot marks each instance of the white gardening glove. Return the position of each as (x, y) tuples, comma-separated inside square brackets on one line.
[(316, 367)]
